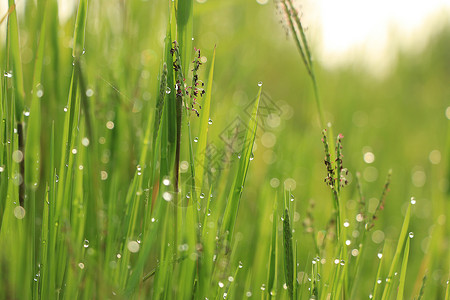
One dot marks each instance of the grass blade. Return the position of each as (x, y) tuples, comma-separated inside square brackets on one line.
[(398, 251), (401, 287)]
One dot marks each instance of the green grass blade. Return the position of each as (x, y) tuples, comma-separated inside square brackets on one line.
[(16, 61), (272, 272), (401, 286), (204, 122), (80, 29), (398, 251), (232, 207), (288, 254)]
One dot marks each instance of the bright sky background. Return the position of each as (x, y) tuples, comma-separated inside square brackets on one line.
[(370, 31)]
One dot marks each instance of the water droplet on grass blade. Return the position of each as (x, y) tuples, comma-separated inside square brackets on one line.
[(65, 109), (210, 121), (260, 83), (195, 139), (221, 285), (167, 196), (19, 212), (380, 255), (86, 244), (133, 246), (81, 266), (413, 200), (168, 90), (411, 235)]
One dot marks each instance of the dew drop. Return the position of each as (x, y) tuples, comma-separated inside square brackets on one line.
[(167, 196), (166, 181), (39, 93), (19, 212), (411, 235), (263, 287), (65, 109), (380, 255), (86, 244), (221, 285), (195, 139), (260, 83), (26, 113), (81, 266), (413, 200), (133, 246), (85, 141), (168, 90), (210, 121)]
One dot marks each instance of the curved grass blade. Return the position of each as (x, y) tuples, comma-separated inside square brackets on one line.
[(401, 286), (204, 122), (398, 251), (234, 197)]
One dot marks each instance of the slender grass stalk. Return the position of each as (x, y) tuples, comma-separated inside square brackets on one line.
[(288, 255), (395, 260), (401, 286), (272, 272)]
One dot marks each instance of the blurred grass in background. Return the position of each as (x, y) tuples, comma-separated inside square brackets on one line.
[(399, 121)]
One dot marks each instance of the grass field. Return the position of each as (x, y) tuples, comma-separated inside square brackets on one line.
[(198, 150)]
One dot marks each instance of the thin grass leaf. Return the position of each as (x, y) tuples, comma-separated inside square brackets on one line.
[(401, 286), (236, 190), (13, 48), (204, 122), (272, 272), (288, 255), (395, 260)]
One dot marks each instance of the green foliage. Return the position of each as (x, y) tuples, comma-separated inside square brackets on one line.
[(134, 165)]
